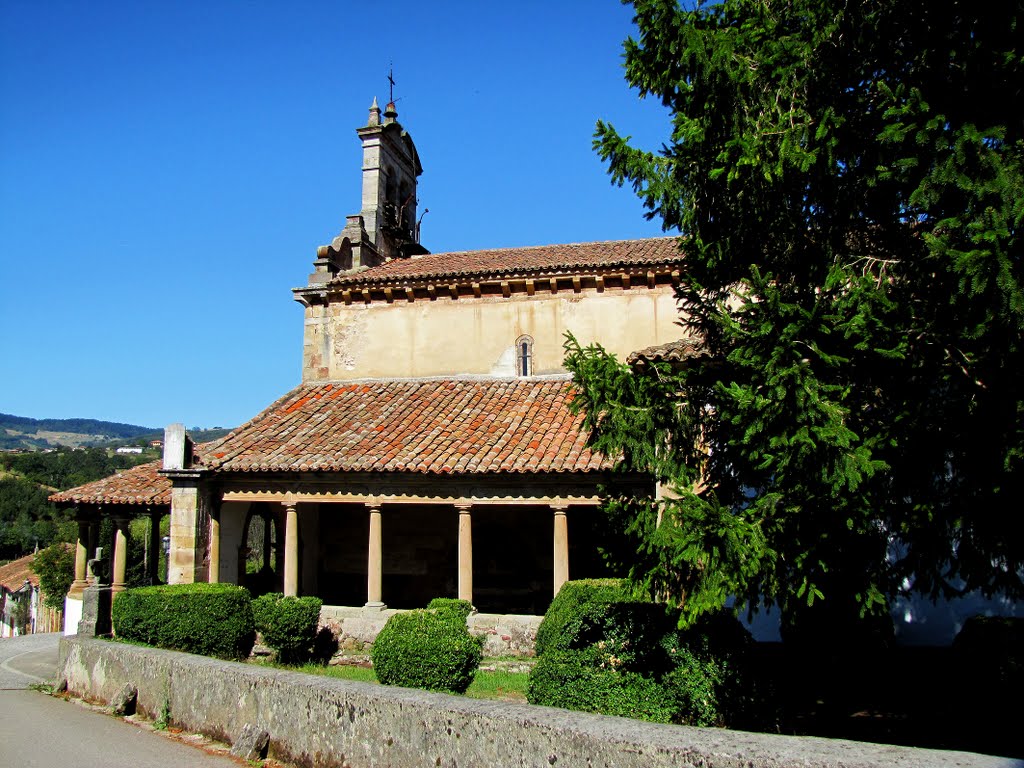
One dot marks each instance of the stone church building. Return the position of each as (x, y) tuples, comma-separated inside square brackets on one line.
[(430, 449)]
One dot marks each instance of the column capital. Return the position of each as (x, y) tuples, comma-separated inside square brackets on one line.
[(559, 507), (464, 507)]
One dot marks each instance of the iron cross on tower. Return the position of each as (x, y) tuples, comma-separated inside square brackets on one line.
[(391, 81)]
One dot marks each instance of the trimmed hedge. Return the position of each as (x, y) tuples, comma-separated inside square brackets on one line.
[(602, 650), (288, 625), (583, 680), (576, 616), (207, 619), (430, 649), (462, 607)]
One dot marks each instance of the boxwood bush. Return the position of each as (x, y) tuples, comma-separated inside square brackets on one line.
[(430, 649), (588, 681), (288, 625), (462, 607), (576, 616), (208, 619), (603, 650)]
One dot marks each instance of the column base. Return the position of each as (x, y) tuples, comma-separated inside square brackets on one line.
[(375, 606), (72, 613)]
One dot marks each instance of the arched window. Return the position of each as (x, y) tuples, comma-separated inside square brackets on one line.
[(524, 356)]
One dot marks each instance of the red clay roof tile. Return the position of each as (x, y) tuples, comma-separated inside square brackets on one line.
[(545, 259), (438, 426)]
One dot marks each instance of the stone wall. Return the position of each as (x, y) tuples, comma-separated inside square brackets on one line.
[(324, 722), (504, 634)]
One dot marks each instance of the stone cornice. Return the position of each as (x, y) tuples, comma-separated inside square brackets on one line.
[(518, 284)]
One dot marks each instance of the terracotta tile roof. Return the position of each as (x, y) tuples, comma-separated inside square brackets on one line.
[(544, 259), (14, 574), (442, 426), (138, 485), (673, 352)]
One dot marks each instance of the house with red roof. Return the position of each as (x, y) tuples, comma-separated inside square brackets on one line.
[(22, 610), (430, 449)]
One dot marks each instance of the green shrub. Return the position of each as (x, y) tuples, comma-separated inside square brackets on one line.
[(288, 625), (55, 567), (576, 616), (585, 681), (208, 619), (462, 607), (602, 650), (426, 649), (263, 608)]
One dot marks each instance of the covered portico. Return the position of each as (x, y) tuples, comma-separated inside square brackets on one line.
[(392, 541)]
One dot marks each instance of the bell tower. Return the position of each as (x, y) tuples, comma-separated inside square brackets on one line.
[(386, 227)]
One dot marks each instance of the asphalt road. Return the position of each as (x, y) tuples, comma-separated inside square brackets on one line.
[(40, 731)]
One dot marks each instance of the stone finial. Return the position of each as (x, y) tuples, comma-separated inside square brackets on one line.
[(177, 447), (374, 113), (390, 113)]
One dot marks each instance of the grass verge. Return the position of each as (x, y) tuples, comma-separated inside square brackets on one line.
[(500, 685)]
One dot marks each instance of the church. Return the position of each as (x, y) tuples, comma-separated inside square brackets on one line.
[(430, 449)]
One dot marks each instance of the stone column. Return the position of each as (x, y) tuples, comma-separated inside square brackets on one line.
[(120, 559), (291, 550), (214, 575), (154, 546), (81, 558), (375, 561), (465, 552), (561, 553)]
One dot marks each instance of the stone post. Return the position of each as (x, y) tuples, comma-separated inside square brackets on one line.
[(375, 561), (561, 552), (465, 552), (190, 520), (190, 513), (117, 583), (291, 550)]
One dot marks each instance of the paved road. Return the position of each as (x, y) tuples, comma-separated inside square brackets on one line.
[(39, 731)]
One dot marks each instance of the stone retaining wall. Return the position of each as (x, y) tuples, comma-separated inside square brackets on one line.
[(316, 721), (504, 634)]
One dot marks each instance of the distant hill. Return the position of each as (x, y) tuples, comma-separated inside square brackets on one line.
[(23, 432), (38, 434)]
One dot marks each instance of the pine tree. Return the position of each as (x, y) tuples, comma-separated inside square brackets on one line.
[(848, 184)]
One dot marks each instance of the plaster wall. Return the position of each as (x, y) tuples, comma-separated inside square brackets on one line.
[(324, 722), (477, 335)]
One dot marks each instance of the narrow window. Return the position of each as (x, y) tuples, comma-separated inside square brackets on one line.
[(524, 356)]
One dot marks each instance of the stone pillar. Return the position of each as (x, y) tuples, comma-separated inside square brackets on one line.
[(291, 550), (120, 559), (81, 558), (214, 575), (375, 561), (154, 547), (190, 521), (561, 552), (465, 552)]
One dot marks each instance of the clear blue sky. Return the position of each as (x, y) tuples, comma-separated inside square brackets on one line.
[(168, 169)]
